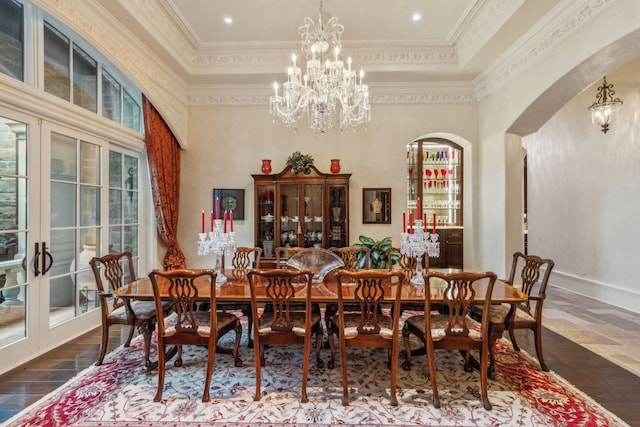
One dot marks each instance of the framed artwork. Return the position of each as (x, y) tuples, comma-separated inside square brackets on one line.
[(229, 200), (376, 205)]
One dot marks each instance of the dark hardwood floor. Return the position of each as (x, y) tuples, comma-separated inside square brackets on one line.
[(613, 387), (26, 384)]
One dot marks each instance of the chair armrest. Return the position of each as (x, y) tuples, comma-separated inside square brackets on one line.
[(105, 294)]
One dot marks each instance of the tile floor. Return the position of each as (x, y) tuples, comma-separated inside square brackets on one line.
[(611, 332)]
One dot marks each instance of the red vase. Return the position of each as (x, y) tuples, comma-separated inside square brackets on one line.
[(266, 166), (335, 165)]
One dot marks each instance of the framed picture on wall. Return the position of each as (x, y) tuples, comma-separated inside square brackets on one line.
[(376, 205), (230, 200)]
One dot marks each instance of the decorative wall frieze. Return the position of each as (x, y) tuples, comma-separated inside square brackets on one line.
[(387, 94), (568, 18), (388, 55)]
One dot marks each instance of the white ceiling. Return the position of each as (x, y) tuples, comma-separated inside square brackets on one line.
[(455, 41)]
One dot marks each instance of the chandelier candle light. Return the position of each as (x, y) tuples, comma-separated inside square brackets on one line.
[(327, 92), (416, 241), (218, 241)]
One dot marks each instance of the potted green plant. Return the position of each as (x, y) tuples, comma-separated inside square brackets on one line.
[(378, 250), (300, 162)]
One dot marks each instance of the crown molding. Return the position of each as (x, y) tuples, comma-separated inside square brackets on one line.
[(489, 16)]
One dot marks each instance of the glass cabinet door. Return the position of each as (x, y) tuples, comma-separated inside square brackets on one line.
[(290, 227), (265, 195), (313, 206), (338, 216)]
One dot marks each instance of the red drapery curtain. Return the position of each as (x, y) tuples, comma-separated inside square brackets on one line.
[(163, 153)]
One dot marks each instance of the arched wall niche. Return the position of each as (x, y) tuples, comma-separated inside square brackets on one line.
[(469, 210)]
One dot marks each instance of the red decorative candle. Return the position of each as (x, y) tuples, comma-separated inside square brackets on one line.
[(202, 223), (410, 222), (424, 221), (218, 207), (231, 220), (211, 221), (404, 221), (224, 227), (434, 224), (419, 210)]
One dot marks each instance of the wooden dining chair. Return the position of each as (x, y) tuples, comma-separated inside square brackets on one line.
[(396, 260), (244, 259), (453, 330), (354, 257), (283, 254), (367, 326), (189, 326), (407, 264), (526, 272), (286, 322), (118, 270)]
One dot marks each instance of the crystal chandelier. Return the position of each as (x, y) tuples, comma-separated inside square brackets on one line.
[(328, 91), (605, 107)]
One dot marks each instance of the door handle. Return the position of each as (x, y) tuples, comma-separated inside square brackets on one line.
[(46, 256), (36, 259)]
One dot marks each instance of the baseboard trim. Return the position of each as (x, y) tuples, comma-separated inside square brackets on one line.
[(606, 292)]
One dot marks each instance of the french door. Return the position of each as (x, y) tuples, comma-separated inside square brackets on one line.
[(65, 197)]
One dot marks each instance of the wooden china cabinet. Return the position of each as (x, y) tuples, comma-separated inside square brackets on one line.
[(434, 175), (301, 210)]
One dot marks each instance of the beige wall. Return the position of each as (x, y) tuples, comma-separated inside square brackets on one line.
[(584, 198), (521, 106), (227, 144)]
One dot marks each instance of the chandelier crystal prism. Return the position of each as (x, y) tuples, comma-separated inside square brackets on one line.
[(328, 92)]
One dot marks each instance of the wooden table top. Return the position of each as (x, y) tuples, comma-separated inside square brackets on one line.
[(325, 292)]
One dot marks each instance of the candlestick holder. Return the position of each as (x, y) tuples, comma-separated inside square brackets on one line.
[(218, 243), (415, 245)]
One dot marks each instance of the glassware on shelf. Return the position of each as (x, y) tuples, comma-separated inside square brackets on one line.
[(434, 168)]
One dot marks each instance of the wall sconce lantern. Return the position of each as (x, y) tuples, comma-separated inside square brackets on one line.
[(605, 107)]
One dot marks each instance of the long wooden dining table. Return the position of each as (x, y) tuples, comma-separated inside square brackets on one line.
[(325, 291)]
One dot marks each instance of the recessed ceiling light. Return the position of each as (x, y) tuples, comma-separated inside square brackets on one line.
[(416, 17), (228, 20)]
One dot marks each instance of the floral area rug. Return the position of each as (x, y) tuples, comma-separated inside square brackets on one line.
[(119, 394)]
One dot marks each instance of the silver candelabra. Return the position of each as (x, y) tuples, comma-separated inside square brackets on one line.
[(415, 243), (217, 242)]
